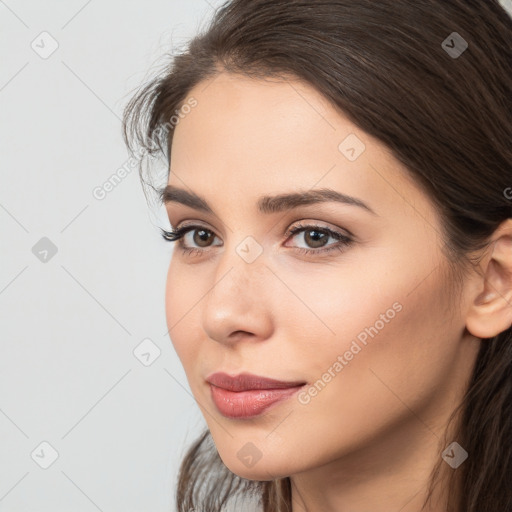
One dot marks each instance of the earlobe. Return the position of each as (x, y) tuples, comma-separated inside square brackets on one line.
[(490, 311)]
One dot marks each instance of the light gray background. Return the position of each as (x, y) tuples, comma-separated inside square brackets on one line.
[(69, 326)]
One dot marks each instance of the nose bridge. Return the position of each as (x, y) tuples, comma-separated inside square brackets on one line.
[(243, 258), (240, 270)]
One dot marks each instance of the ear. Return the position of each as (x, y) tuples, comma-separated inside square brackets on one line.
[(490, 311)]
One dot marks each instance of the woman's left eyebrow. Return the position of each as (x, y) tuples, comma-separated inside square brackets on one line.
[(266, 204)]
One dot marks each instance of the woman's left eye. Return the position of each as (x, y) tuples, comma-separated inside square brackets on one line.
[(315, 236)]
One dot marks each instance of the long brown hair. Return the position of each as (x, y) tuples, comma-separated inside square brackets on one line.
[(432, 80)]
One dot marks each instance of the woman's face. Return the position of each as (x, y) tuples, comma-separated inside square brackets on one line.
[(367, 324)]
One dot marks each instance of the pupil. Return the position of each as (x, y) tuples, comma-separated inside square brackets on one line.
[(202, 235), (318, 236)]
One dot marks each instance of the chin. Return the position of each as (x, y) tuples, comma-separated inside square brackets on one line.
[(261, 470)]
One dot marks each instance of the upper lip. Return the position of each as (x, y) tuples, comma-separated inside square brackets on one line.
[(245, 381)]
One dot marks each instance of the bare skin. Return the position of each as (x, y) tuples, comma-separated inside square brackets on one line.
[(369, 436)]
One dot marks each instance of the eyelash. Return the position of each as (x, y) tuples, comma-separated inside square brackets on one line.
[(176, 235)]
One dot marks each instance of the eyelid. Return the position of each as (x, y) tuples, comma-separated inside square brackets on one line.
[(303, 222), (309, 223), (193, 223)]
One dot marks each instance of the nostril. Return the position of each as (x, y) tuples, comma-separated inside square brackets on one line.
[(237, 334)]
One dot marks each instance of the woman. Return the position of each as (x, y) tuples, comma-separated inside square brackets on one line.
[(340, 296)]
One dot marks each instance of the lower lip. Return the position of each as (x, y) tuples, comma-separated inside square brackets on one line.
[(247, 404)]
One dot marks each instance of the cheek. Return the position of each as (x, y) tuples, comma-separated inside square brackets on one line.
[(334, 304), (374, 332), (389, 350), (182, 306)]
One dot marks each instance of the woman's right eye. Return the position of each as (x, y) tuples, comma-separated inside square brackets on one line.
[(200, 235)]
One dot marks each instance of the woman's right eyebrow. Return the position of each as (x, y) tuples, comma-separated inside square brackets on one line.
[(266, 204)]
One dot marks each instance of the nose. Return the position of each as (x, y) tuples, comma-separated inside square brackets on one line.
[(239, 303)]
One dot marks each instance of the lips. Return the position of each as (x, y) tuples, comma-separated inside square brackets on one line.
[(248, 381), (246, 395)]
